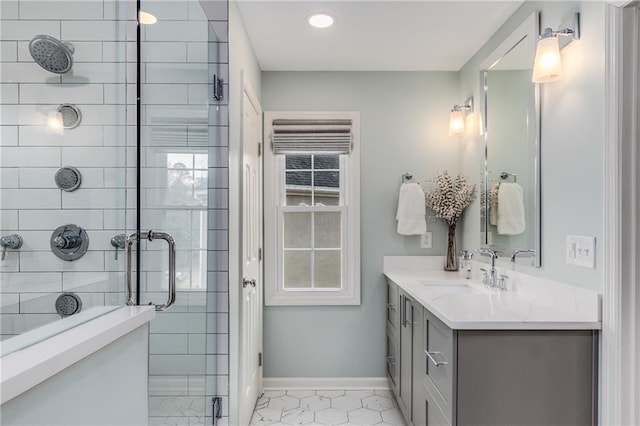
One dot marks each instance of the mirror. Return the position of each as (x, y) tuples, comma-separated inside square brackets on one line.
[(511, 198)]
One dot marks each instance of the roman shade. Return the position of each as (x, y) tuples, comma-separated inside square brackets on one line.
[(305, 136)]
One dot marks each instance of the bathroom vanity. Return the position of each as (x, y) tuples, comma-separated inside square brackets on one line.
[(461, 354)]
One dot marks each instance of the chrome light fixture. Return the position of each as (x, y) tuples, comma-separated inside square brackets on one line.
[(457, 118), (547, 66)]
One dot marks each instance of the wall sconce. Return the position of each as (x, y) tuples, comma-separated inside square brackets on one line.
[(547, 66), (457, 118)]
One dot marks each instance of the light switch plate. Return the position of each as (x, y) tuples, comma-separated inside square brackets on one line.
[(581, 251), (426, 241)]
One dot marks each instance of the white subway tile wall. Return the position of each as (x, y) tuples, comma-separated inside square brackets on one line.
[(184, 182), (31, 205)]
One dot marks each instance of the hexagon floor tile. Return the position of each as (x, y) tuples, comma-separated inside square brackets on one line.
[(327, 408)]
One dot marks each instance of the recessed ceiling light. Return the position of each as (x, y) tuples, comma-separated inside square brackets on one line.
[(146, 18), (321, 20)]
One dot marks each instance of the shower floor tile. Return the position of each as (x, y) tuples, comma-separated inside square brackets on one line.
[(327, 408)]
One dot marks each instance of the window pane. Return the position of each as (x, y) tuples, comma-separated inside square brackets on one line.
[(326, 186), (297, 269), (298, 162), (328, 269), (326, 161), (328, 230), (297, 230), (298, 187)]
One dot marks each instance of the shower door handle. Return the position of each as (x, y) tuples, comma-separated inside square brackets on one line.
[(152, 235)]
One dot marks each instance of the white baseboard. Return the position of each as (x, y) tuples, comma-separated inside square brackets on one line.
[(326, 383)]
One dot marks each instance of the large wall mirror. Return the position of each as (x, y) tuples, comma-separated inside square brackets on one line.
[(511, 198)]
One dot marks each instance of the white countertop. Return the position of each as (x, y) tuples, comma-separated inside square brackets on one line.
[(531, 304), (23, 369)]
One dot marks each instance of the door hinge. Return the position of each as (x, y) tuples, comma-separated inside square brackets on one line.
[(259, 359), (259, 149), (260, 254), (217, 409)]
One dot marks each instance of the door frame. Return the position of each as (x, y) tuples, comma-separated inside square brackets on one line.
[(620, 351), (235, 250)]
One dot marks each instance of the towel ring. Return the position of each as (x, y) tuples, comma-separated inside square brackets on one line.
[(505, 175), (407, 177)]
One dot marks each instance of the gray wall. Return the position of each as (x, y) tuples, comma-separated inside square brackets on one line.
[(572, 140), (404, 127)]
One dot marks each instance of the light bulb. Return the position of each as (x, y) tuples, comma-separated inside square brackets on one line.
[(321, 20), (456, 123), (146, 18), (548, 65)]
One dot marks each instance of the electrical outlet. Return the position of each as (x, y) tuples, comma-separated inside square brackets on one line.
[(581, 251), (425, 240)]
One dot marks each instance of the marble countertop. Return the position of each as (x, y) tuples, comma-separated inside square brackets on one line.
[(531, 303)]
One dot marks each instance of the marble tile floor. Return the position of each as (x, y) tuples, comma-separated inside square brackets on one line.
[(327, 408), (177, 411)]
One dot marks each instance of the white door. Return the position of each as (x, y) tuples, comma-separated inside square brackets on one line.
[(251, 303)]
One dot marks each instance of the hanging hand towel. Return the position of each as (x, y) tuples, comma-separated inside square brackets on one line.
[(510, 209), (411, 210), (493, 205)]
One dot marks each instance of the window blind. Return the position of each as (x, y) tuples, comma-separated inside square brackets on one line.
[(304, 136)]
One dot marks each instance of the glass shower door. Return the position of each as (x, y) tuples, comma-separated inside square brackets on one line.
[(175, 118)]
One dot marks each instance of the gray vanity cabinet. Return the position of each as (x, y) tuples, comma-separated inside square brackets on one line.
[(445, 377), (508, 377), (404, 345)]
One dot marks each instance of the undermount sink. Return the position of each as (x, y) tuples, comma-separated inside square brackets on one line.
[(445, 282), (451, 286)]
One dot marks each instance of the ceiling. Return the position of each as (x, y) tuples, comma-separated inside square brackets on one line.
[(419, 35)]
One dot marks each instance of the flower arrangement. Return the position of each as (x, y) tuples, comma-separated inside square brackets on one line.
[(448, 198)]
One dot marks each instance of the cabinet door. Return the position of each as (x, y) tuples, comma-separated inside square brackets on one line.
[(393, 371), (418, 407), (406, 354), (393, 307)]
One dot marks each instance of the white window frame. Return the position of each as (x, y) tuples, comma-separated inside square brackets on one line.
[(275, 294)]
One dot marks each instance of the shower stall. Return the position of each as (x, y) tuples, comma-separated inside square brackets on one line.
[(114, 136)]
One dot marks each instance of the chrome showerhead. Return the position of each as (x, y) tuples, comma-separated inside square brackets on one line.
[(52, 54)]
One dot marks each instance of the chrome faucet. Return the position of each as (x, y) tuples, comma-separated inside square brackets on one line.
[(13, 242), (528, 253), (492, 280)]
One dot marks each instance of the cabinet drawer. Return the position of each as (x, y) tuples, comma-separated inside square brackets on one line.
[(439, 358), (433, 413), (393, 370), (393, 306)]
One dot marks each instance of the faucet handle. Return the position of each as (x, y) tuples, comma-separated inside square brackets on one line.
[(118, 242), (13, 242), (502, 282), (485, 276)]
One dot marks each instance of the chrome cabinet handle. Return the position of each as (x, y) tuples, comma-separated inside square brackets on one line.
[(403, 317), (152, 235), (247, 282), (405, 321), (390, 362), (391, 306), (433, 360)]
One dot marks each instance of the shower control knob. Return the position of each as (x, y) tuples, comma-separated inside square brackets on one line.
[(13, 242), (67, 242)]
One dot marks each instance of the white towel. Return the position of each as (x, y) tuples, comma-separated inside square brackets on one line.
[(493, 205), (411, 210), (510, 209)]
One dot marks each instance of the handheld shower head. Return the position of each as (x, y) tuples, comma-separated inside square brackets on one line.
[(52, 54)]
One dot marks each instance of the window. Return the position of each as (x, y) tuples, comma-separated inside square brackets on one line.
[(312, 217)]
